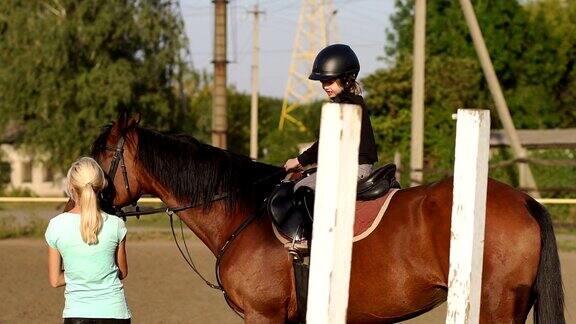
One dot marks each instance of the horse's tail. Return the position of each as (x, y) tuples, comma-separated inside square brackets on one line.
[(548, 290)]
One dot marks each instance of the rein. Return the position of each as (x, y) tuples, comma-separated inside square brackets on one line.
[(219, 256), (148, 211), (187, 257)]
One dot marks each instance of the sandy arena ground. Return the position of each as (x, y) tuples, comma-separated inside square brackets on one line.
[(160, 287)]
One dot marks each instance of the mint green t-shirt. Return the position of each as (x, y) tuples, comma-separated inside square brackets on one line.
[(93, 289)]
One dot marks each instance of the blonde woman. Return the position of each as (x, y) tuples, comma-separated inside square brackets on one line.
[(87, 252)]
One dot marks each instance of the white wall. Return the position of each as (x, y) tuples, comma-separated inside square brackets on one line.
[(38, 186)]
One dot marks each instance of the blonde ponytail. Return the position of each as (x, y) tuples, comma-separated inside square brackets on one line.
[(84, 181), (90, 217)]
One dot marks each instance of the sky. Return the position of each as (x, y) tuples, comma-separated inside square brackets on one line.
[(361, 24)]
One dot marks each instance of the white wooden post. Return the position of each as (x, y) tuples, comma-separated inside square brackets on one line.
[(334, 214), (468, 216)]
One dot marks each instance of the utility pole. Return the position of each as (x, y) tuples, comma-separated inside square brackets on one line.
[(417, 129), (219, 118), (526, 176), (254, 102)]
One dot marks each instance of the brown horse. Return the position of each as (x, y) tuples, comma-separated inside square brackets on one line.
[(398, 272)]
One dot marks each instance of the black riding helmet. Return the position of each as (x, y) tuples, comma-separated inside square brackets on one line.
[(335, 61)]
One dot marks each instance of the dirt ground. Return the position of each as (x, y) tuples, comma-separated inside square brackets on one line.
[(160, 287)]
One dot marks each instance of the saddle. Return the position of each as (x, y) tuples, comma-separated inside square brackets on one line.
[(292, 211)]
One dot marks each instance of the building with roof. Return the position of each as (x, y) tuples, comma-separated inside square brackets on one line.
[(27, 172)]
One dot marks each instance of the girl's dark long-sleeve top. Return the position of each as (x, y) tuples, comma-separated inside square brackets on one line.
[(367, 152)]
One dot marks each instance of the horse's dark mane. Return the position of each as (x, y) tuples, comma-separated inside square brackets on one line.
[(195, 172), (99, 145)]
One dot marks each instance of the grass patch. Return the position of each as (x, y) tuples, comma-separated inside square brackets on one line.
[(160, 220), (567, 245), (31, 208), (166, 235), (31, 220), (564, 230), (563, 215), (11, 228)]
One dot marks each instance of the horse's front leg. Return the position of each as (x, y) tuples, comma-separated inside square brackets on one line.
[(259, 275)]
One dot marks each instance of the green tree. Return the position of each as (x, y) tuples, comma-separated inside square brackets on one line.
[(281, 145), (68, 66), (388, 94), (198, 91), (550, 78), (532, 46)]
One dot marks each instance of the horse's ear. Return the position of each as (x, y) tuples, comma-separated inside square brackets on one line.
[(125, 123), (133, 121), (123, 116), (121, 123)]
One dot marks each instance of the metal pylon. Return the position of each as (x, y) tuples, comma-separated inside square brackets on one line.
[(311, 37)]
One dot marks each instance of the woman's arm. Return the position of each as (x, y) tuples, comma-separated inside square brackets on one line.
[(121, 261), (55, 272)]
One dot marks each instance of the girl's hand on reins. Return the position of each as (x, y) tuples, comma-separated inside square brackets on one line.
[(292, 165)]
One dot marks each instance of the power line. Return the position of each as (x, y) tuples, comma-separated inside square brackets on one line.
[(289, 6)]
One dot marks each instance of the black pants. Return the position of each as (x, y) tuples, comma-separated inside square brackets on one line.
[(77, 320)]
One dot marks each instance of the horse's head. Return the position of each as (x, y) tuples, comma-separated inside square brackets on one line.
[(116, 150), (176, 167)]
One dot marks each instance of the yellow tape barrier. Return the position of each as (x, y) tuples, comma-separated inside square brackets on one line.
[(58, 200), (547, 201)]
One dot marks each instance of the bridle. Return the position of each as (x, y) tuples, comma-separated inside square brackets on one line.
[(118, 160)]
